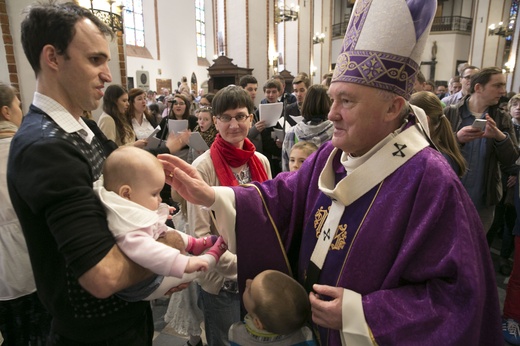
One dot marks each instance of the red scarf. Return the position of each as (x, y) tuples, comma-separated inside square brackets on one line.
[(224, 156)]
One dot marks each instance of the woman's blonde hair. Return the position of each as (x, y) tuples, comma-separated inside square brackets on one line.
[(440, 128)]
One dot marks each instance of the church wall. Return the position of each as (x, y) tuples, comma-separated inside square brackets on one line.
[(258, 52), (26, 79), (306, 32), (173, 45), (4, 71), (450, 48), (236, 15)]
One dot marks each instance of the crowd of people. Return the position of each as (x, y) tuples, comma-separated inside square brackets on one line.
[(362, 216)]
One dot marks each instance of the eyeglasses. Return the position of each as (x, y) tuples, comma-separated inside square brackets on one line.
[(226, 118)]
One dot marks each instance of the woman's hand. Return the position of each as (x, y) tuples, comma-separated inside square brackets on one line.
[(177, 141), (140, 143), (260, 125)]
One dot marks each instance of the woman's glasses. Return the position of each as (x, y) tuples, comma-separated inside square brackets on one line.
[(226, 118)]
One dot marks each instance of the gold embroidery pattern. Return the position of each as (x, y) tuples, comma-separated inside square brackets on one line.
[(339, 241), (319, 219)]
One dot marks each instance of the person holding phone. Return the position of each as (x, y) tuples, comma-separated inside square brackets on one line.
[(486, 137), (480, 124)]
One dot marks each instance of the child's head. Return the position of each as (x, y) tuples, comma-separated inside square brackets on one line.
[(514, 106), (276, 302), (136, 175), (299, 152), (204, 118)]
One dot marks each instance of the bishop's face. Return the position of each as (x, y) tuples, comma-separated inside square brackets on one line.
[(360, 117)]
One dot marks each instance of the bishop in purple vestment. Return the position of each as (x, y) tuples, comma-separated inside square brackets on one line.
[(375, 224)]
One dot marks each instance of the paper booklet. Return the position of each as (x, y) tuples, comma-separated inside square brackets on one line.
[(197, 142), (177, 126), (277, 134), (270, 112), (152, 141)]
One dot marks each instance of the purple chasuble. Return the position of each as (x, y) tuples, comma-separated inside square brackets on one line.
[(413, 247)]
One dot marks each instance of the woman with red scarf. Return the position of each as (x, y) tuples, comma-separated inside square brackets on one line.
[(231, 160)]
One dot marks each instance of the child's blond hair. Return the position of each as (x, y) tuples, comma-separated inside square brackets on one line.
[(307, 147)]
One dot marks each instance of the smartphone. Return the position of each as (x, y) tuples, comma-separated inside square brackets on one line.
[(480, 124)]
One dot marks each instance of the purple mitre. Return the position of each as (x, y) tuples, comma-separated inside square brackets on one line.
[(383, 44)]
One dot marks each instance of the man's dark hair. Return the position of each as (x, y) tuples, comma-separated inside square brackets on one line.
[(483, 77), (231, 97), (273, 83), (247, 79), (302, 79), (53, 24)]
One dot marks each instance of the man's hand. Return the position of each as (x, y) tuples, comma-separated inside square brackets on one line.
[(468, 134), (174, 240), (177, 289), (492, 130), (327, 313), (186, 180)]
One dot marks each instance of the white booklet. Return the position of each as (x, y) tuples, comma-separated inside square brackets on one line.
[(277, 134), (197, 142), (297, 118), (177, 126), (270, 112), (152, 141)]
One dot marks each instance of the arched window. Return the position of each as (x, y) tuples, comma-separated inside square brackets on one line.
[(134, 22), (200, 28)]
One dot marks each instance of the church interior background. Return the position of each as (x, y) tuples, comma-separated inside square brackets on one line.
[(213, 42)]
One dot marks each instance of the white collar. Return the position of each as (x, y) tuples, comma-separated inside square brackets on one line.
[(62, 117)]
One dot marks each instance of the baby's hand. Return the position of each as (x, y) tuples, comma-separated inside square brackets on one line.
[(196, 264)]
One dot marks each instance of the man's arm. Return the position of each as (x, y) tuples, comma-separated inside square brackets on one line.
[(507, 149), (116, 271), (112, 274)]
